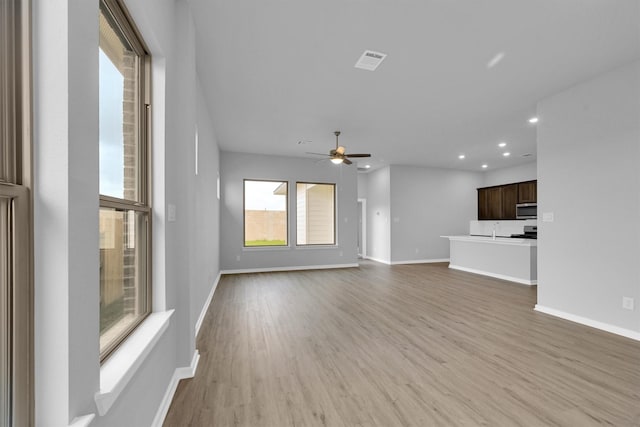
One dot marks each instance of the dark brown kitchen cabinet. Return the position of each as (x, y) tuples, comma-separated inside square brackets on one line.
[(509, 201), (527, 192), (494, 202), (499, 202), (483, 203)]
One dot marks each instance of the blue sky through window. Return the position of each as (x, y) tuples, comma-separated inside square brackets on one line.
[(111, 141)]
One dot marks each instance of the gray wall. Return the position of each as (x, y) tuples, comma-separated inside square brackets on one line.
[(588, 156), (427, 203), (235, 167), (363, 185), (379, 214), (65, 54), (204, 261), (525, 172)]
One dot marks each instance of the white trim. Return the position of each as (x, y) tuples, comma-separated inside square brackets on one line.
[(82, 421), (420, 261), (291, 268), (496, 275), (287, 247), (178, 374), (382, 261), (628, 333), (122, 365), (363, 231), (205, 308)]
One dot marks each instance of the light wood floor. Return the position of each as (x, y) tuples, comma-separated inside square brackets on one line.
[(415, 345)]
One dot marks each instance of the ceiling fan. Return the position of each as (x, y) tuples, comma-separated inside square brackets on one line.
[(338, 155)]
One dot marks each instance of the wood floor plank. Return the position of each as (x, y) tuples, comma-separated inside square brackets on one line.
[(414, 345)]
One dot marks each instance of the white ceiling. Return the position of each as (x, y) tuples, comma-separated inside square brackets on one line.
[(276, 72)]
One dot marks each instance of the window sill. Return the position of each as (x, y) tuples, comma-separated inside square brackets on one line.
[(265, 248), (309, 247), (122, 365)]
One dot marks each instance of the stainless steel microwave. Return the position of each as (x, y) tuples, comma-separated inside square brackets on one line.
[(527, 211)]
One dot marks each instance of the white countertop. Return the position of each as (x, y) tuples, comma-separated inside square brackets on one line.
[(497, 240)]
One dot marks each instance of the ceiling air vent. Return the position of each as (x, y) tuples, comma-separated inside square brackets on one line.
[(370, 60)]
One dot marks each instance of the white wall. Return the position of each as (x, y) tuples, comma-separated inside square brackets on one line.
[(427, 203), (363, 185), (65, 55), (379, 215), (235, 167), (588, 156), (520, 173), (204, 229)]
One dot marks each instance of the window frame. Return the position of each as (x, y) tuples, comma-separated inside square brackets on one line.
[(15, 187), (244, 216), (335, 215), (128, 29)]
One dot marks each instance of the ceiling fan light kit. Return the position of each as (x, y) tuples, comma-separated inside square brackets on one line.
[(337, 155)]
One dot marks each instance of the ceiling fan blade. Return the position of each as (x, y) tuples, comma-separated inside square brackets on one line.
[(317, 154), (357, 155), (347, 161)]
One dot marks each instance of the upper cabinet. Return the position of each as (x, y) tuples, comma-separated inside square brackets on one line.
[(527, 192), (509, 201), (499, 202)]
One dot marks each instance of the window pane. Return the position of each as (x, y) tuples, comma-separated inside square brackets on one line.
[(119, 114), (315, 214), (265, 213), (123, 270)]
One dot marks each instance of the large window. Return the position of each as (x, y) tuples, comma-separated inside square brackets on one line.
[(125, 212), (265, 213), (316, 217), (16, 403)]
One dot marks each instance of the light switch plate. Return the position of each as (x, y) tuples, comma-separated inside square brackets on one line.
[(547, 217), (171, 212), (627, 303)]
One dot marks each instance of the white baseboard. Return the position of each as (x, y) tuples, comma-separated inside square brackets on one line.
[(628, 333), (381, 261), (496, 275), (292, 268), (420, 261), (205, 308), (83, 421), (178, 374)]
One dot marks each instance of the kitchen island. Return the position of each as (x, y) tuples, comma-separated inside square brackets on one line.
[(505, 258)]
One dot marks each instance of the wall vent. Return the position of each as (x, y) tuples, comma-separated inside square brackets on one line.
[(370, 60)]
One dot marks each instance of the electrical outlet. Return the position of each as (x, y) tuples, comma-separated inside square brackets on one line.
[(627, 303), (237, 257)]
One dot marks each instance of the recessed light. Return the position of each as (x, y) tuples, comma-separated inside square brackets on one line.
[(461, 156), (506, 154), (533, 120), (502, 144), (485, 166), (367, 166)]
